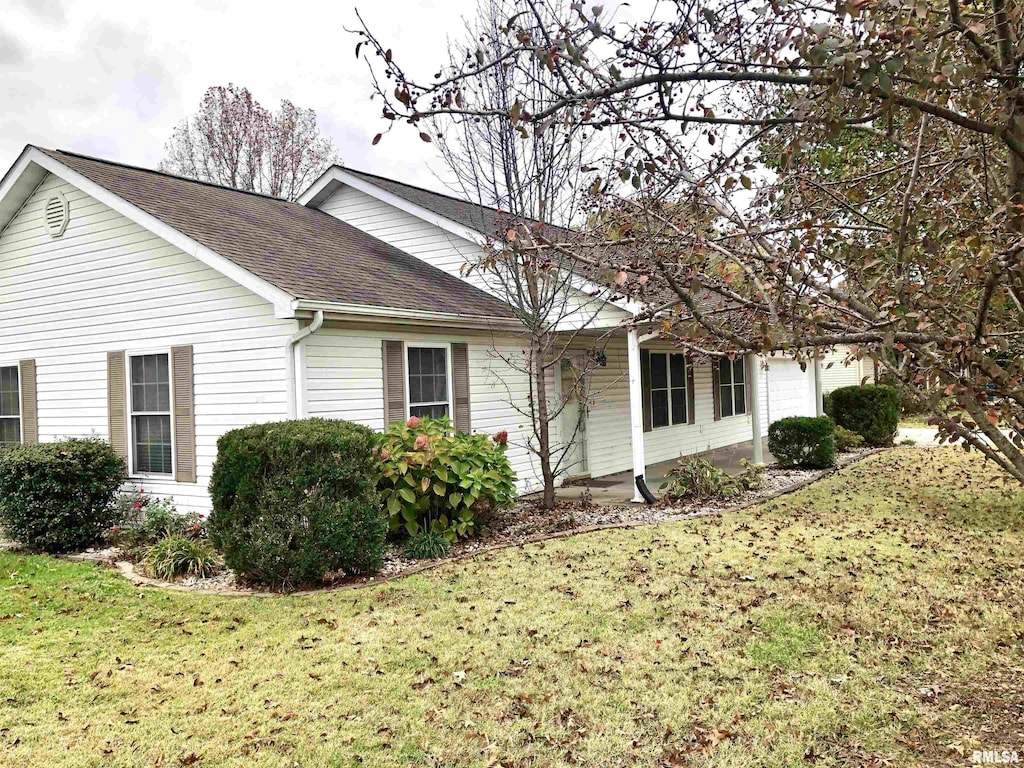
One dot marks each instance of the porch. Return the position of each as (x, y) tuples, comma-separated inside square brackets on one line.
[(619, 488)]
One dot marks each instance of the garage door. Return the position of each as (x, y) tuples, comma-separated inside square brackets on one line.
[(790, 390)]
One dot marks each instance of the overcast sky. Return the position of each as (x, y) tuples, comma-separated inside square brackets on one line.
[(112, 78)]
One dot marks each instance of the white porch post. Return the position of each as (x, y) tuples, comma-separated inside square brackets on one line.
[(636, 411), (819, 405), (755, 415)]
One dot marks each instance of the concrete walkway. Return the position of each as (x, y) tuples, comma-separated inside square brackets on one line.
[(618, 488)]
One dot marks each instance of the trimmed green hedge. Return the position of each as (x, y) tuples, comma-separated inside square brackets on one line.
[(296, 500), (59, 497), (872, 411), (803, 441)]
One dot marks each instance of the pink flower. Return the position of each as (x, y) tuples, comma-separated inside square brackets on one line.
[(422, 442), (137, 505), (385, 454), (115, 529), (202, 517), (501, 438), (413, 422), (142, 490)]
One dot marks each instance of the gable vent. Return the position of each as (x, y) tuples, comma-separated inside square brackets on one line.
[(56, 215)]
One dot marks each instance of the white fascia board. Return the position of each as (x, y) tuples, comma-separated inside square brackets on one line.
[(279, 298), (365, 313)]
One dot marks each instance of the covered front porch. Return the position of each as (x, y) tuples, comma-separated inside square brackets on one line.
[(619, 488)]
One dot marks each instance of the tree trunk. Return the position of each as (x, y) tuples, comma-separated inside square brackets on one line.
[(543, 425)]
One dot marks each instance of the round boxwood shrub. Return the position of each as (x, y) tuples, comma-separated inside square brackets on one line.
[(803, 441), (296, 500), (59, 497), (872, 411)]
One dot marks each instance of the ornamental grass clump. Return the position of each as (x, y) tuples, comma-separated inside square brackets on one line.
[(434, 479)]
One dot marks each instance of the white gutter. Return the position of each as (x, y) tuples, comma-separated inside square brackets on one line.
[(366, 313), (298, 367)]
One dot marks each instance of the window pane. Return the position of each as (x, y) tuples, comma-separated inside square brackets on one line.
[(440, 364), (151, 388), (434, 411), (738, 370), (740, 398), (726, 400), (659, 408), (659, 371), (9, 400), (724, 371), (678, 364), (678, 405), (415, 392), (10, 431), (152, 444)]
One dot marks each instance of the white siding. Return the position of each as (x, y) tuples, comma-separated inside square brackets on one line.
[(345, 380), (108, 285), (839, 370), (447, 251)]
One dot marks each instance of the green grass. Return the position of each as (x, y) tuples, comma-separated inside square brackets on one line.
[(875, 616)]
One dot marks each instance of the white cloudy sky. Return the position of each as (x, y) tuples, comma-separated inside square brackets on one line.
[(111, 78)]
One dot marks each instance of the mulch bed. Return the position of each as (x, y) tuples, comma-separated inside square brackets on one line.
[(522, 523)]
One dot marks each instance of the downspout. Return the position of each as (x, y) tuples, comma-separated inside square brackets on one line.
[(296, 357)]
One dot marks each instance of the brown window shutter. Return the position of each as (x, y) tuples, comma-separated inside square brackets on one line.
[(394, 382), (184, 415), (29, 410), (117, 410), (691, 392), (716, 390), (460, 387), (645, 387)]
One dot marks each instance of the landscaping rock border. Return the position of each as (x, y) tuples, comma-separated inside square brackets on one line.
[(127, 569)]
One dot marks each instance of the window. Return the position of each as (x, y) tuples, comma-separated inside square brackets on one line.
[(150, 385), (668, 389), (10, 406), (732, 387), (429, 393)]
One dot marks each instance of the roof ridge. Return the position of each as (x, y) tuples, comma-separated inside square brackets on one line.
[(165, 174)]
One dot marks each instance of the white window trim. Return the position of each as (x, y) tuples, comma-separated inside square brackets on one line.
[(668, 376), (130, 408), (448, 372), (732, 387), (21, 406)]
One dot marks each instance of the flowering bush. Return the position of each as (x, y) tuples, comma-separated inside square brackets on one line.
[(432, 479), (146, 520)]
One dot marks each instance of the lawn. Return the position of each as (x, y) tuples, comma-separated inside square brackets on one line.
[(875, 616)]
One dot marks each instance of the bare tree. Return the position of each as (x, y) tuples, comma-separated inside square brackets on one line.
[(526, 184), (233, 140), (797, 176)]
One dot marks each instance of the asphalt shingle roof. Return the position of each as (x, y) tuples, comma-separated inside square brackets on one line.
[(303, 251)]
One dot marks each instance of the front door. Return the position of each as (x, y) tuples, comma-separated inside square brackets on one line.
[(573, 425)]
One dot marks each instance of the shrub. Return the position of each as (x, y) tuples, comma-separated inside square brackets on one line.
[(145, 520), (427, 545), (59, 496), (847, 440), (872, 411), (698, 479), (803, 441), (296, 500), (432, 479), (175, 556)]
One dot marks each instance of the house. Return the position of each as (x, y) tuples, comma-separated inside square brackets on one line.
[(159, 312)]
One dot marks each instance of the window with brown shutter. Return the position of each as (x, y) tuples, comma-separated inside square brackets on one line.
[(10, 405)]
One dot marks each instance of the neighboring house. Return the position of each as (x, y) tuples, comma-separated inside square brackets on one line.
[(159, 312)]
